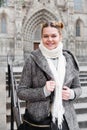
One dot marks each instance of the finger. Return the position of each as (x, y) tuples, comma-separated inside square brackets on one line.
[(65, 87), (52, 83)]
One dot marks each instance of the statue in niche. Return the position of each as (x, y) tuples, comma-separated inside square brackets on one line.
[(18, 34), (44, 2), (18, 27)]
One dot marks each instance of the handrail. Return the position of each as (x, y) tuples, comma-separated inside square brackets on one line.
[(15, 104)]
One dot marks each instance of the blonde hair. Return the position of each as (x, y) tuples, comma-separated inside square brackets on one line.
[(57, 25)]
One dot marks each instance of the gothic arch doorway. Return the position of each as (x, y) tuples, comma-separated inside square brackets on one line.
[(32, 27)]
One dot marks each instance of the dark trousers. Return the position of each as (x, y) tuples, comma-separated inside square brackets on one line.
[(25, 126)]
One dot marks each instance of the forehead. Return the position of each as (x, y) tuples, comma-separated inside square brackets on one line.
[(50, 30)]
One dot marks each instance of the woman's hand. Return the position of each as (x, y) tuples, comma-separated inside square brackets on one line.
[(66, 93), (50, 86)]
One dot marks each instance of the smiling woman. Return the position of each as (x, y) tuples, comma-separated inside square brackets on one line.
[(49, 84), (51, 34)]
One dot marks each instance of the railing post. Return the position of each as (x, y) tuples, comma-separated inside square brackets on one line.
[(9, 81), (11, 94), (15, 105)]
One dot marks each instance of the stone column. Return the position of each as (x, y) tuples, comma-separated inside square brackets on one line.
[(71, 35), (18, 31), (2, 99)]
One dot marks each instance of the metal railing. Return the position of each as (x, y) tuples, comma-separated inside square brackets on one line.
[(15, 103)]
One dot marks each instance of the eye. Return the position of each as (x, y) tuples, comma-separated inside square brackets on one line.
[(45, 36), (54, 36)]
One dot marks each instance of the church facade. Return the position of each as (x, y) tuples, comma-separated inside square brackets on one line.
[(20, 24)]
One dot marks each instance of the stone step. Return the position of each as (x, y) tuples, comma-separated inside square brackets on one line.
[(8, 113), (16, 76), (84, 84), (83, 68), (83, 79), (83, 128), (8, 103), (82, 119), (83, 75), (84, 92), (80, 105), (83, 72), (9, 126), (15, 69), (80, 108), (83, 63)]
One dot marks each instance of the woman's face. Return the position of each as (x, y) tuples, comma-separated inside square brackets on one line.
[(50, 37)]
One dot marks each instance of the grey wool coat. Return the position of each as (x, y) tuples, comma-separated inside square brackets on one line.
[(34, 76)]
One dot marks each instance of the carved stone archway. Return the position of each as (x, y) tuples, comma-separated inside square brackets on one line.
[(30, 26)]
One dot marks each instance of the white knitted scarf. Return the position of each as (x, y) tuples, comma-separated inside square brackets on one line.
[(59, 74)]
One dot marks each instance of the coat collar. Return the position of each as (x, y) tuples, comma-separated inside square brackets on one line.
[(41, 61)]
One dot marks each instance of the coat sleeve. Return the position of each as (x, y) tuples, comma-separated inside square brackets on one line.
[(76, 86), (25, 90)]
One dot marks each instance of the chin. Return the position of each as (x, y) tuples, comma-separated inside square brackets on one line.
[(51, 48)]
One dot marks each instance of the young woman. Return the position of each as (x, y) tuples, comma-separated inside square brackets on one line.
[(50, 84)]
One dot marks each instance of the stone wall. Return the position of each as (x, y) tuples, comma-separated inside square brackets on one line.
[(2, 99)]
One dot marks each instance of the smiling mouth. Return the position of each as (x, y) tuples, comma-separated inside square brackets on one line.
[(50, 44)]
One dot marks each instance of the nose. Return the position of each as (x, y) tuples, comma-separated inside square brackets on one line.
[(49, 38)]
